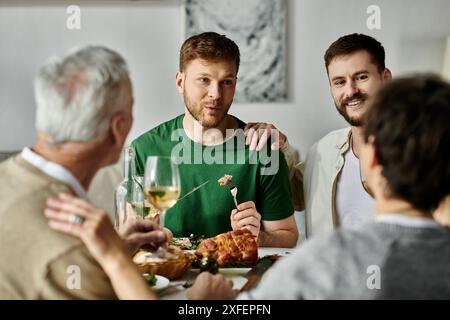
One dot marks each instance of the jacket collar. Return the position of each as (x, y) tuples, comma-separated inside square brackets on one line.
[(344, 140)]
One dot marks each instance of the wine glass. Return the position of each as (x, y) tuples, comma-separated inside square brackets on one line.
[(161, 184), (130, 202), (140, 206)]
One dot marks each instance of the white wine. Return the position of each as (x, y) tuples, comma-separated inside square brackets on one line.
[(143, 209), (162, 197)]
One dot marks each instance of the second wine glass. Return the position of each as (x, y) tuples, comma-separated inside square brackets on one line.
[(161, 184)]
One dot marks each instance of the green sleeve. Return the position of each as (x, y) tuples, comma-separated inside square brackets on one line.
[(275, 191), (140, 157)]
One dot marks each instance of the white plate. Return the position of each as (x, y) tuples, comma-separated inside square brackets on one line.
[(234, 271), (161, 282)]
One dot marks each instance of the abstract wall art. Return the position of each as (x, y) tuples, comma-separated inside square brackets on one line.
[(259, 29)]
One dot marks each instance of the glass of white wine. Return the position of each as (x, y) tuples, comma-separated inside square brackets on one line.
[(162, 184), (141, 207)]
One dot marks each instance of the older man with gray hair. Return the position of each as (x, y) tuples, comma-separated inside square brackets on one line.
[(84, 114)]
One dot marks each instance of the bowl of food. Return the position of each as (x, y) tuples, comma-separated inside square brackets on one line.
[(171, 266)]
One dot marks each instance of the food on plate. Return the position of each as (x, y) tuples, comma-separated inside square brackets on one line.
[(234, 247), (169, 267), (225, 180), (182, 243), (190, 243), (207, 264), (150, 278)]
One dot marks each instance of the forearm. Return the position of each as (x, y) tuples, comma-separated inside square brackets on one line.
[(278, 238), (126, 279)]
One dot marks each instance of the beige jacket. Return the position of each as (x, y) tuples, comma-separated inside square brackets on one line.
[(313, 182), (35, 261)]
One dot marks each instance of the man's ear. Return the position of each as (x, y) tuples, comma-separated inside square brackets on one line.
[(179, 81), (387, 74), (119, 129)]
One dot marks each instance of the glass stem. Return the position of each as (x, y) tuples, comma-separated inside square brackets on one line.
[(162, 218)]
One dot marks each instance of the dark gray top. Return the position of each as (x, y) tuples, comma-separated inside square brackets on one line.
[(380, 260)]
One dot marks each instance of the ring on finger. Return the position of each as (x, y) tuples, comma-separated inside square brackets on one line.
[(77, 219)]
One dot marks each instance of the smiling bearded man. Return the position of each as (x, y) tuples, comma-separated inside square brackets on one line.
[(333, 188)]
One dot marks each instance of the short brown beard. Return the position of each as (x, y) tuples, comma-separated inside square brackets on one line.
[(355, 122), (191, 107)]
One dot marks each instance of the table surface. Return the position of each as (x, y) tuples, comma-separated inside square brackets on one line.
[(175, 290)]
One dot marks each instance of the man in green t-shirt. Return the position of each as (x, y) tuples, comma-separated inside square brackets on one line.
[(209, 143)]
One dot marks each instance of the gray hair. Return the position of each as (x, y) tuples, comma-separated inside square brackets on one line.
[(78, 94)]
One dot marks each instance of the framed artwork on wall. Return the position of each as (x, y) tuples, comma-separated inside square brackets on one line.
[(259, 29)]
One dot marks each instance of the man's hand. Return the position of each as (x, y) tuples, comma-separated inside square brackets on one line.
[(211, 287), (257, 134), (143, 233), (246, 216)]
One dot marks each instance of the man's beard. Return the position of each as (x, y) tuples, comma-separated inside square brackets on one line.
[(196, 113), (342, 109)]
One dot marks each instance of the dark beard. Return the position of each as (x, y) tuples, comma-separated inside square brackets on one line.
[(355, 122)]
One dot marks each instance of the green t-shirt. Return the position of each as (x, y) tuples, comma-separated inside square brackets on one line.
[(261, 177)]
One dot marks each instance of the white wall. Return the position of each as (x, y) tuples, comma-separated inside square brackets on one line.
[(148, 34)]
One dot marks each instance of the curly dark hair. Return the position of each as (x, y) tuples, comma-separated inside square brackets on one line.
[(356, 42), (409, 119), (209, 46)]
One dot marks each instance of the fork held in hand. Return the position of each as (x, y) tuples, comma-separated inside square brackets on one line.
[(233, 191)]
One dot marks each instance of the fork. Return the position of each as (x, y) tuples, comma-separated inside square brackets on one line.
[(233, 191), (185, 284), (188, 283)]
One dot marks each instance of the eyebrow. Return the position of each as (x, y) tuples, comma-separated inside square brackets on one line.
[(230, 75), (357, 73)]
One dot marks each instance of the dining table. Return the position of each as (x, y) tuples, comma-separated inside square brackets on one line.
[(177, 289)]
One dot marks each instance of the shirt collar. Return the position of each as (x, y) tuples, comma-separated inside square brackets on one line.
[(54, 170), (345, 143), (407, 221)]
